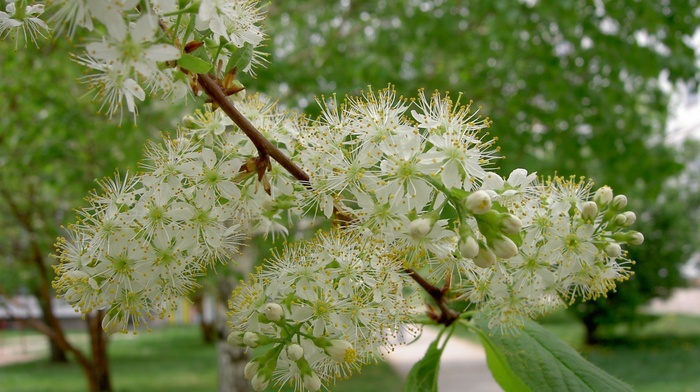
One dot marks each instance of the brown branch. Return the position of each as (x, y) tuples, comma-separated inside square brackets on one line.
[(213, 89), (447, 316)]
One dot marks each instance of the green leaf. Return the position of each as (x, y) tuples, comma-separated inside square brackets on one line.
[(537, 360), (424, 374), (193, 64), (240, 57), (498, 364)]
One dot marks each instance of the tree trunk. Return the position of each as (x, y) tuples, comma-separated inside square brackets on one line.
[(57, 354), (98, 344), (206, 326), (232, 360), (591, 329)]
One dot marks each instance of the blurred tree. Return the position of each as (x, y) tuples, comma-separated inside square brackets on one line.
[(671, 237), (575, 86), (52, 147)]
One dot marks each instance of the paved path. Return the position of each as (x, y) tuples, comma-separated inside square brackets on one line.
[(22, 349), (462, 365)]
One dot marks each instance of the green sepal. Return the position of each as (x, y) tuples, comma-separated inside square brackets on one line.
[(240, 57)]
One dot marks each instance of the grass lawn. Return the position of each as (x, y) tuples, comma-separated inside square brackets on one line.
[(170, 359)]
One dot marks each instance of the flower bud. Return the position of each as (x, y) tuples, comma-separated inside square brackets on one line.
[(340, 351), (619, 219), (273, 311), (613, 249), (312, 382), (636, 238), (188, 122), (250, 339), (485, 258), (420, 227), (603, 196), (589, 210), (295, 352), (235, 339), (511, 224), (479, 202), (504, 247), (259, 382), (631, 217), (250, 370), (468, 247), (619, 202)]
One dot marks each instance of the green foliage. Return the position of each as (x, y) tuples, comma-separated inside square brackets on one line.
[(194, 63), (537, 360)]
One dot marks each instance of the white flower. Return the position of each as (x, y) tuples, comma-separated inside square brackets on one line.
[(113, 86), (30, 26), (237, 22), (124, 57), (340, 351)]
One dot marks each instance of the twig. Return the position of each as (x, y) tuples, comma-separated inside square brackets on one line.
[(212, 88)]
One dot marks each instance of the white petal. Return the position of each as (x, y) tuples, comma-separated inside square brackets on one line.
[(132, 89), (209, 157), (162, 53), (144, 29)]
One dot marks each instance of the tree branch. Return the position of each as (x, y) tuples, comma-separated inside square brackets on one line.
[(213, 89)]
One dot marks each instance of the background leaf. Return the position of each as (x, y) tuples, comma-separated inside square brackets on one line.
[(424, 374)]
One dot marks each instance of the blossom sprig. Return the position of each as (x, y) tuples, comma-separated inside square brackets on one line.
[(323, 308), (144, 240), (157, 47)]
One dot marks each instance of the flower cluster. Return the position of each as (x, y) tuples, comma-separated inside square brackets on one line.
[(144, 241), (411, 183), (422, 185), (322, 309)]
